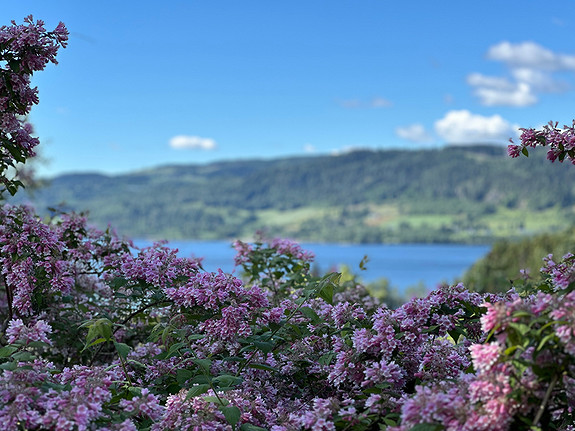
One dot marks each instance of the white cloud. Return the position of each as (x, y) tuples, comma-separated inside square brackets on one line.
[(376, 102), (380, 102), (538, 80), (309, 148), (530, 55), (503, 92), (531, 68), (413, 133), (497, 83), (348, 149), (463, 127), (182, 142)]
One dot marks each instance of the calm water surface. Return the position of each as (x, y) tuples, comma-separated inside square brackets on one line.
[(404, 265)]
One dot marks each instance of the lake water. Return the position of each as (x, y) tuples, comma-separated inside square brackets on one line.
[(404, 265)]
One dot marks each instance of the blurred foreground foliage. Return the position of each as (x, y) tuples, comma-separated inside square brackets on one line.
[(501, 267)]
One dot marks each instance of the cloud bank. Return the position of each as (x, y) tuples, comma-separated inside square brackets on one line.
[(184, 142), (530, 68), (414, 133), (463, 127)]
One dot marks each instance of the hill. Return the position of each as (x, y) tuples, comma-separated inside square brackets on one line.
[(453, 194)]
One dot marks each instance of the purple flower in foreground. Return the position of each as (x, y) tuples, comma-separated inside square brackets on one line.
[(18, 331)]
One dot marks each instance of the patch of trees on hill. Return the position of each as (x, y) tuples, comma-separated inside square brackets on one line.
[(227, 199)]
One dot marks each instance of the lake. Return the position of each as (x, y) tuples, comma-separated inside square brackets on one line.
[(404, 265)]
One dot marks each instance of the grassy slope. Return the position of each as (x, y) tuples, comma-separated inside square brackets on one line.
[(466, 194)]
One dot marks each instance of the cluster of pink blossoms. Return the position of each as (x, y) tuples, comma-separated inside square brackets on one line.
[(31, 256), (24, 49), (561, 142)]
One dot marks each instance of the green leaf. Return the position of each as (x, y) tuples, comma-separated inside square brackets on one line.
[(227, 380), (183, 375), (174, 349), (96, 341), (326, 286), (232, 414), (264, 346), (194, 391), (390, 422), (219, 401), (372, 390), (234, 359), (7, 351), (23, 356), (263, 367), (310, 314), (326, 359), (10, 366), (427, 427), (363, 263), (521, 328), (205, 364), (544, 341), (250, 427), (123, 349), (525, 152), (118, 282), (201, 379), (510, 350)]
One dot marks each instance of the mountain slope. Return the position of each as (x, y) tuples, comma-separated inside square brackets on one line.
[(463, 194)]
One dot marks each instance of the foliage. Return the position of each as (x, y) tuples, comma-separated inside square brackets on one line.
[(98, 334), (509, 261)]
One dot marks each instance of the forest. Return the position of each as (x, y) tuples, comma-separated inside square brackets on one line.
[(462, 194)]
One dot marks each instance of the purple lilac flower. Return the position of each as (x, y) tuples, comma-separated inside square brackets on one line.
[(18, 331)]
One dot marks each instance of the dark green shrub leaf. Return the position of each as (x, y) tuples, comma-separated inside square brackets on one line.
[(7, 351), (123, 349), (194, 391), (250, 427), (232, 414)]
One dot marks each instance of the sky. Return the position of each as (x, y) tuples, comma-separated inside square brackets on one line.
[(148, 83)]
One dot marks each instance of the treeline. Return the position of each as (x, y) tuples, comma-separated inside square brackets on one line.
[(500, 268), (343, 194)]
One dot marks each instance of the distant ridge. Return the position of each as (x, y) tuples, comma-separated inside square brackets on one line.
[(460, 193)]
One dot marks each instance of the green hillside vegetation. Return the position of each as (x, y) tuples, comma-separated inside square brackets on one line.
[(499, 269), (466, 194)]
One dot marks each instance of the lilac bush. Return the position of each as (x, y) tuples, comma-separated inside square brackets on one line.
[(24, 49), (98, 334)]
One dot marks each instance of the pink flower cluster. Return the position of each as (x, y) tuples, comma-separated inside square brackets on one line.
[(292, 249), (39, 397), (561, 142), (32, 256), (562, 274), (18, 331), (24, 49)]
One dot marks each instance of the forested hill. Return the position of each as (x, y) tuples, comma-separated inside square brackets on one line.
[(454, 194)]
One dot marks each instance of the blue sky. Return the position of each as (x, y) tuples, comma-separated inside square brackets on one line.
[(146, 83)]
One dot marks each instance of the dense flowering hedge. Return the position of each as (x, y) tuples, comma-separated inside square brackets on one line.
[(98, 334)]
